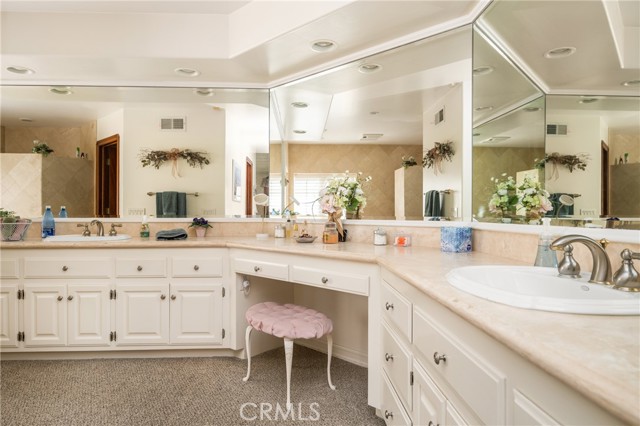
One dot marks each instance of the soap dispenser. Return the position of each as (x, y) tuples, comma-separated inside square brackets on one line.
[(546, 256), (144, 228)]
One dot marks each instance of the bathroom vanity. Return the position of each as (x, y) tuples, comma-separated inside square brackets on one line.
[(435, 355)]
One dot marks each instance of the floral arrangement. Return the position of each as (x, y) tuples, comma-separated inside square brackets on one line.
[(533, 198), (344, 192), (41, 148), (440, 152), (571, 162), (409, 162), (200, 222), (153, 158), (504, 198)]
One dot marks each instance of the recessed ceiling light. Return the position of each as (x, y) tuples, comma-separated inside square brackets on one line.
[(369, 68), (203, 92), (189, 72), (587, 100), (26, 120), (323, 45), (61, 90), (531, 109), (20, 70), (299, 104), (374, 112), (300, 132), (560, 52), (482, 70), (483, 108), (630, 83)]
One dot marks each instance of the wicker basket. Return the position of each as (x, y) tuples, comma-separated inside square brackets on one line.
[(15, 231)]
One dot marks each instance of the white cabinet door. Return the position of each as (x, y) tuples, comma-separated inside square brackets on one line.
[(9, 315), (142, 314), (45, 314), (196, 313), (429, 404), (89, 314)]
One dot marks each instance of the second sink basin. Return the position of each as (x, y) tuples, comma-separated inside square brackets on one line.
[(81, 239), (540, 288)]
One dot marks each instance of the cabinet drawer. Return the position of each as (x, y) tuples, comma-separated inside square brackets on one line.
[(261, 268), (9, 268), (197, 266), (396, 362), (46, 267), (391, 408), (350, 283), (139, 267), (396, 309), (482, 387)]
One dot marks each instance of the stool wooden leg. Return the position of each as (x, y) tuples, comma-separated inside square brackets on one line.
[(248, 348), (288, 355), (329, 350)]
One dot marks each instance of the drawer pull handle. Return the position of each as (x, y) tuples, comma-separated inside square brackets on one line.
[(388, 306), (388, 414), (256, 269), (65, 268), (324, 280), (196, 267), (388, 357), (439, 357), (139, 268), (162, 297), (70, 298), (173, 297)]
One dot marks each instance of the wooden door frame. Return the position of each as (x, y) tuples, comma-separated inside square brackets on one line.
[(604, 179), (248, 204), (100, 145)]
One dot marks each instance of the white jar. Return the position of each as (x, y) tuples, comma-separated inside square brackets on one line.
[(279, 231), (379, 237)]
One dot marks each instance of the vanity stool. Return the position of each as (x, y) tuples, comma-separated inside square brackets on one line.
[(289, 322)]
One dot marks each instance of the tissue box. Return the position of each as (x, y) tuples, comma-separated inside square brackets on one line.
[(455, 239)]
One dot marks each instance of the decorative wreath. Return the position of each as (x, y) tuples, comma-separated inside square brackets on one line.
[(434, 157), (157, 158), (578, 161), (408, 162)]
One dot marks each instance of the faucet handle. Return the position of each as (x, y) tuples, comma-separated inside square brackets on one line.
[(604, 243), (627, 278), (85, 231), (113, 232), (568, 266)]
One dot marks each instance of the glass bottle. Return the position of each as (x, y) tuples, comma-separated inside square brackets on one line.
[(330, 234), (63, 212)]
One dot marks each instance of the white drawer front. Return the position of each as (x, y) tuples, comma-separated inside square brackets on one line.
[(396, 309), (97, 267), (350, 283), (9, 268), (392, 411), (478, 384), (396, 362), (279, 271), (139, 267), (197, 267)]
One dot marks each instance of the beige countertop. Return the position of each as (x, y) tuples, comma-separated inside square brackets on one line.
[(597, 355)]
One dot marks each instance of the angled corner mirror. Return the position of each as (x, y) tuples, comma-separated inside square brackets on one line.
[(366, 117), (112, 128)]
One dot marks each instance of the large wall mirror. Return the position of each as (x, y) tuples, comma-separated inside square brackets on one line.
[(580, 141), (365, 117), (98, 135)]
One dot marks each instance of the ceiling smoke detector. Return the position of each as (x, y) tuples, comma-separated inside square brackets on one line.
[(560, 52), (483, 108), (587, 100), (26, 120), (323, 45), (299, 132)]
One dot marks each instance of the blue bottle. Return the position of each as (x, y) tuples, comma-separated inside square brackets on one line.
[(63, 212), (48, 223)]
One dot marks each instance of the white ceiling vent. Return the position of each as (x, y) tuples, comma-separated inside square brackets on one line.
[(371, 136), (178, 124), (556, 129)]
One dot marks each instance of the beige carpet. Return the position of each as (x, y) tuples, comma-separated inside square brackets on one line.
[(183, 391)]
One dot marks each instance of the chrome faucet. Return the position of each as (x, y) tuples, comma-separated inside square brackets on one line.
[(100, 232), (627, 278), (601, 272)]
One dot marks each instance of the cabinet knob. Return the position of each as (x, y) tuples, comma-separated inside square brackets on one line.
[(324, 280), (439, 357), (162, 297), (173, 297), (388, 414), (65, 268), (196, 267), (139, 268), (388, 306), (70, 298), (59, 298), (388, 357), (256, 268)]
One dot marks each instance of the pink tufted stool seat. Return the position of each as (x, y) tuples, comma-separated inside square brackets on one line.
[(289, 322)]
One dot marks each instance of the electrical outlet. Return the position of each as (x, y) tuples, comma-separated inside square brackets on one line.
[(208, 212), (585, 212), (136, 212)]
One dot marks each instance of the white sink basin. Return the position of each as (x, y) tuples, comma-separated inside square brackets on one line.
[(81, 239), (539, 288)]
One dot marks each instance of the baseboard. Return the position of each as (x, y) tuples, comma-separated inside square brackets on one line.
[(341, 352), (174, 353)]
